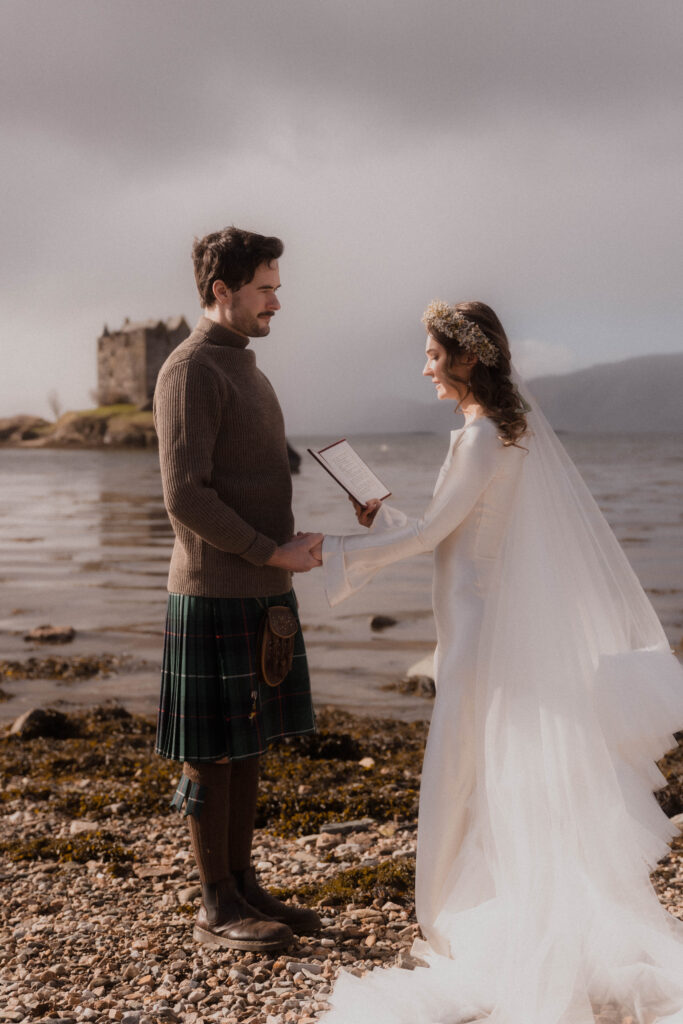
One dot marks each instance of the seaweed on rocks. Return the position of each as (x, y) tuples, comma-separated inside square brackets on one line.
[(296, 798), (671, 796), (391, 880), (99, 845), (66, 668)]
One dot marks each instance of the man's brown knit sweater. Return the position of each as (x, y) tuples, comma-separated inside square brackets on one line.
[(224, 467)]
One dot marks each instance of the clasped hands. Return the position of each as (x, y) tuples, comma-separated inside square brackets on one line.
[(305, 551), (301, 554)]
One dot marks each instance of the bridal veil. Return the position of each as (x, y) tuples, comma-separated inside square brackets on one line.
[(547, 913)]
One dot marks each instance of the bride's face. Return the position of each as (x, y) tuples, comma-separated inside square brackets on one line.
[(436, 368)]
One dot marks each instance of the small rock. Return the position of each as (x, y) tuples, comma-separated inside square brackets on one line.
[(189, 893), (294, 966), (118, 808), (155, 870), (677, 820), (325, 840), (313, 969), (80, 827), (235, 974), (378, 622), (367, 762), (51, 634), (341, 828)]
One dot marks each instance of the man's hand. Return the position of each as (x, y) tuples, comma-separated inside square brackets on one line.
[(298, 554), (365, 514)]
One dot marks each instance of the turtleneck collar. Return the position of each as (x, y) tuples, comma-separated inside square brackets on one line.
[(219, 335)]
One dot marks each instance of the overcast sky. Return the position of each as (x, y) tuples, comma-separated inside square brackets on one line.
[(528, 153)]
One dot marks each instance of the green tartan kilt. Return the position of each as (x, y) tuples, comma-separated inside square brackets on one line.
[(212, 703)]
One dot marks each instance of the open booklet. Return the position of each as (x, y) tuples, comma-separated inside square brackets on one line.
[(346, 466)]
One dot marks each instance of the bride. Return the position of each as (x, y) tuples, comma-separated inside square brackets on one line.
[(556, 693)]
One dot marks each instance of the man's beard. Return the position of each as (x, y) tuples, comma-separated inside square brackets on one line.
[(249, 325)]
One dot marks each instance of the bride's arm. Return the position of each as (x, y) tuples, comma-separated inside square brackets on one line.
[(349, 562)]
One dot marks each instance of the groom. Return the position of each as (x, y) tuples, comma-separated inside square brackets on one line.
[(227, 490)]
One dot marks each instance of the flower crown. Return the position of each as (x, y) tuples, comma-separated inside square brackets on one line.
[(468, 335)]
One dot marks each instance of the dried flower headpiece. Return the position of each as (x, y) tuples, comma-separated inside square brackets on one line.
[(454, 325)]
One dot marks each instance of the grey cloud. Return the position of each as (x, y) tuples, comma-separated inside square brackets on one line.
[(161, 76), (528, 153)]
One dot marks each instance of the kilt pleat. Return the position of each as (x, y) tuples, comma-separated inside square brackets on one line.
[(212, 704)]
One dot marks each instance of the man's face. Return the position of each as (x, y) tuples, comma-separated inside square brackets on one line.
[(253, 305)]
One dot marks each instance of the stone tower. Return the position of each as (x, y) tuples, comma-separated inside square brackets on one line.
[(128, 360)]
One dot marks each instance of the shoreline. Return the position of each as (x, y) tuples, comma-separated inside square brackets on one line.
[(101, 889)]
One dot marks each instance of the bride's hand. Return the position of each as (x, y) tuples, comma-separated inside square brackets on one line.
[(365, 514)]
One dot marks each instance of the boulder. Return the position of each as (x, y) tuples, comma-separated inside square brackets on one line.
[(41, 722)]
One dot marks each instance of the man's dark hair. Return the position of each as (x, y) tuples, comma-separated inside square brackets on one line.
[(231, 256)]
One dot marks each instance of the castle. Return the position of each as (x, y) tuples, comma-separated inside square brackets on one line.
[(129, 360)]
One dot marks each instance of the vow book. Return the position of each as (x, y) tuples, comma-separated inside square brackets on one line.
[(346, 466)]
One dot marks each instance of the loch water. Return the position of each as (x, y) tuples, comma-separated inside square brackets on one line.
[(84, 541)]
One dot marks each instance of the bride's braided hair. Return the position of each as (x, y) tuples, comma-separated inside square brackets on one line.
[(490, 385)]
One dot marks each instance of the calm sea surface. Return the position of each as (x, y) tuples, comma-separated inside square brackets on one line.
[(84, 541)]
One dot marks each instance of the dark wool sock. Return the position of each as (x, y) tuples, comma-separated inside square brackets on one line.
[(209, 829)]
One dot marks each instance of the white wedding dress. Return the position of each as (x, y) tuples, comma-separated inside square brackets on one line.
[(556, 693)]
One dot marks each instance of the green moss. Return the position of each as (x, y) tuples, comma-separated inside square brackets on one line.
[(107, 411), (391, 880)]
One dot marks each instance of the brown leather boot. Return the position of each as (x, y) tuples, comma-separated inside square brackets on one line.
[(226, 920), (302, 920)]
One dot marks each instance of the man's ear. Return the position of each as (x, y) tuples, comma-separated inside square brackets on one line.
[(222, 293)]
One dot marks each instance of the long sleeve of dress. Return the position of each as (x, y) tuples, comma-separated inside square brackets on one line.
[(350, 562)]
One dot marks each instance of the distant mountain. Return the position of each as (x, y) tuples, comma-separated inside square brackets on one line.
[(645, 394)]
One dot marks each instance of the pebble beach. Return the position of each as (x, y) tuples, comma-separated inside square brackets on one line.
[(99, 890)]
